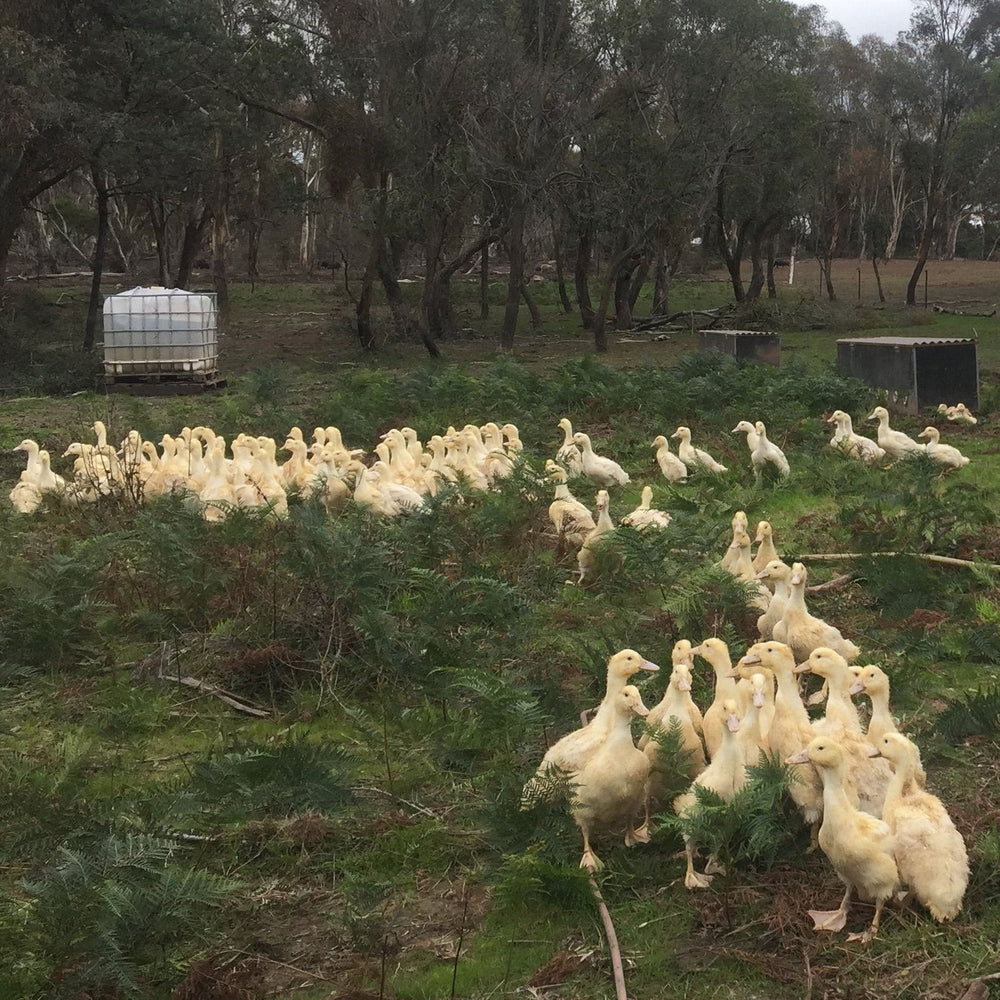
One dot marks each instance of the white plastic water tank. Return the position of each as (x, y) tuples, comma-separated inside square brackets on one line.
[(160, 330)]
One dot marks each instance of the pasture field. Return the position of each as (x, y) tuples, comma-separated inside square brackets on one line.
[(360, 837)]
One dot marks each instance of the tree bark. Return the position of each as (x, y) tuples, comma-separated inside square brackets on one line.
[(533, 310), (661, 284), (878, 278), (100, 243), (581, 275), (516, 255), (557, 250), (484, 283), (220, 229), (158, 223), (923, 250), (194, 234)]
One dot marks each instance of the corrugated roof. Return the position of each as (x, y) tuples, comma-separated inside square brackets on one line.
[(908, 341), (742, 333)]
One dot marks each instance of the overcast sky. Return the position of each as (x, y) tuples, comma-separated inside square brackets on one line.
[(868, 17)]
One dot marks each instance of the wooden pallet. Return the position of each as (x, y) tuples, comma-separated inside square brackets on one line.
[(164, 383)]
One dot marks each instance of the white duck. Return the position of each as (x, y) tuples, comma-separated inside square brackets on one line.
[(859, 846), (854, 445), (945, 454), (930, 853), (894, 443), (587, 558), (767, 453), (745, 427), (716, 652), (959, 413), (731, 555), (645, 515), (610, 788), (568, 455), (673, 469), (725, 776), (569, 755), (779, 574), (804, 631), (690, 455), (601, 471), (571, 519), (766, 552), (873, 681)]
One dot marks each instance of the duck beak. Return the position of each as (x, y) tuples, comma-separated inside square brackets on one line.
[(873, 751), (734, 673), (802, 757), (801, 668), (649, 665), (750, 658), (763, 574), (733, 723), (684, 684), (758, 699), (796, 579), (856, 688)]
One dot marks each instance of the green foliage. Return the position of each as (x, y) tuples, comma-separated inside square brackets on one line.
[(103, 912), (754, 829), (294, 775), (972, 714), (524, 879)]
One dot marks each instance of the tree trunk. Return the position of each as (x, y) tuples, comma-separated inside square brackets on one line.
[(661, 284), (484, 283), (516, 255), (756, 285), (607, 291), (878, 278), (623, 308), (772, 291), (220, 229), (581, 275), (533, 310), (638, 280), (100, 243), (557, 250), (11, 215), (194, 234), (923, 252), (158, 223)]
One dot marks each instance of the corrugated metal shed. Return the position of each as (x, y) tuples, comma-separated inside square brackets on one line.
[(916, 371)]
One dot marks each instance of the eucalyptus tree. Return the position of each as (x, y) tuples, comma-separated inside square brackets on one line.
[(948, 47)]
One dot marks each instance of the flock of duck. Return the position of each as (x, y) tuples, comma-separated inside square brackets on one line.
[(861, 789), (195, 462)]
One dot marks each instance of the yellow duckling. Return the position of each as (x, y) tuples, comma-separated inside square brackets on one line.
[(930, 852), (859, 846)]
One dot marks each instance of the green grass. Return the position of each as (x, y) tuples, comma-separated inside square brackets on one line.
[(415, 671)]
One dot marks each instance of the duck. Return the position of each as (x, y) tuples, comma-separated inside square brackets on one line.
[(601, 471), (568, 755), (756, 722), (745, 427), (569, 455), (869, 776), (803, 631), (854, 445), (610, 788), (645, 515), (944, 454), (673, 709), (724, 776), (31, 449), (587, 558), (741, 567), (740, 523), (716, 653), (896, 444), (766, 552), (766, 453), (690, 455), (859, 846), (673, 469), (790, 728), (930, 853), (958, 413), (571, 519), (873, 681), (778, 574)]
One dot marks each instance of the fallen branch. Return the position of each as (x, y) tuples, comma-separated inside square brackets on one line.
[(205, 688), (962, 312), (657, 321), (925, 556), (835, 583), (66, 274), (609, 930)]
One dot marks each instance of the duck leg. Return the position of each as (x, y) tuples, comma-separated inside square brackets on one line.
[(867, 935), (590, 860), (693, 880), (714, 866), (833, 920)]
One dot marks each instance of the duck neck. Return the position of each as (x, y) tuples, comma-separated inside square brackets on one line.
[(835, 797), (881, 721)]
